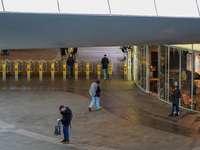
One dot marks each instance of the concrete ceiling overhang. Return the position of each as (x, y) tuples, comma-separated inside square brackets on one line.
[(23, 30)]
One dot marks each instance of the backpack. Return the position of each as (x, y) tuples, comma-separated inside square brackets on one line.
[(93, 89)]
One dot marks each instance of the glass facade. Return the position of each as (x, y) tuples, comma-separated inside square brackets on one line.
[(158, 68)]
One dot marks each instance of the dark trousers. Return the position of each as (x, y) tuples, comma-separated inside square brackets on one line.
[(177, 109)]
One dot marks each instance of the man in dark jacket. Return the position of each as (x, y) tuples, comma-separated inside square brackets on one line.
[(66, 119), (176, 95), (105, 63), (70, 63)]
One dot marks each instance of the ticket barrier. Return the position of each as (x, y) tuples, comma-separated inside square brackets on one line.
[(87, 67), (29, 67), (5, 68), (41, 68), (53, 67), (98, 69), (18, 67), (123, 68), (77, 68), (111, 68), (63, 68)]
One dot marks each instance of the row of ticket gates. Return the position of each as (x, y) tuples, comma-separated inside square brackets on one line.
[(55, 66)]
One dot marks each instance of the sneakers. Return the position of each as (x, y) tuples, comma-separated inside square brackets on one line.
[(99, 109), (63, 140), (66, 142), (90, 109), (171, 115), (176, 114), (104, 78)]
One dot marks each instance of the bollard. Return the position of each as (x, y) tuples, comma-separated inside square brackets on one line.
[(76, 70), (16, 70), (110, 70), (28, 71), (64, 70), (125, 70), (98, 70), (40, 70), (87, 70), (4, 71), (52, 71)]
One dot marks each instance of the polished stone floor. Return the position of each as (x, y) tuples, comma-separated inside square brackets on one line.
[(129, 119)]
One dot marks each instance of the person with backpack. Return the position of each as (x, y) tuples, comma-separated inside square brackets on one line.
[(66, 120), (95, 93), (176, 95), (105, 62)]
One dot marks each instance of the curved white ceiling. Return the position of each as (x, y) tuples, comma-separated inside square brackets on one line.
[(168, 8)]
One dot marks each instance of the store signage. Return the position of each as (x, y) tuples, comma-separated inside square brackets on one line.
[(189, 62), (197, 64)]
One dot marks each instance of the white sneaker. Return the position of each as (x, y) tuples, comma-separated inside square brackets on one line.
[(104, 78)]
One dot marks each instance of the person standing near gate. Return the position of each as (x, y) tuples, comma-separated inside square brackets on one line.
[(70, 63), (105, 63), (63, 53)]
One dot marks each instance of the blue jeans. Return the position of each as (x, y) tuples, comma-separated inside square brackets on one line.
[(177, 110), (70, 70), (105, 72), (95, 99), (66, 132)]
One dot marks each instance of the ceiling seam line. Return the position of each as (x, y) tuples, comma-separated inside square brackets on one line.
[(58, 6), (109, 7), (197, 7), (2, 5), (155, 7)]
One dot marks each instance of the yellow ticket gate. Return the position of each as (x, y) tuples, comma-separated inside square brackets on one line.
[(98, 69), (18, 67), (53, 67), (41, 67), (29, 67), (111, 69), (125, 70), (63, 68), (5, 66), (87, 67), (77, 68)]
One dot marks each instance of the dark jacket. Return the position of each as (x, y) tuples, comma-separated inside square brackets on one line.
[(70, 61), (105, 62), (98, 92), (175, 97), (67, 116)]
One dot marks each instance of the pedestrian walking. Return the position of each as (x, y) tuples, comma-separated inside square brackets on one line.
[(66, 120), (176, 95), (95, 93), (70, 63), (63, 53), (105, 63)]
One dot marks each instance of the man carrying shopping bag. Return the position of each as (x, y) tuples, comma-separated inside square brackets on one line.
[(66, 119)]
